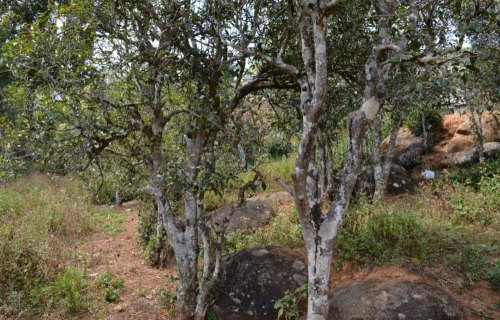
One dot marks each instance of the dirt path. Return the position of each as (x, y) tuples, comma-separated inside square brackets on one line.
[(120, 254)]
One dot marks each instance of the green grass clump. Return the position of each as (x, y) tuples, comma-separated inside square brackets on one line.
[(474, 263), (384, 237), (68, 290), (108, 219)]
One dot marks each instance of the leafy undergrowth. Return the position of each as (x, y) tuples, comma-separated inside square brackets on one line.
[(450, 225), (42, 221)]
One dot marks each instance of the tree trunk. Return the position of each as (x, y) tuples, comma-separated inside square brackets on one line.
[(478, 130), (381, 184), (425, 136), (378, 170)]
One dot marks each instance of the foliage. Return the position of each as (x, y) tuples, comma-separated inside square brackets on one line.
[(477, 205), (289, 305), (167, 298), (69, 289), (433, 121), (477, 174), (111, 286), (494, 276), (278, 145)]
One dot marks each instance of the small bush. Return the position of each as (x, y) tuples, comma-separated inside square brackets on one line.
[(68, 289), (433, 122), (485, 175), (289, 306), (278, 145), (111, 286)]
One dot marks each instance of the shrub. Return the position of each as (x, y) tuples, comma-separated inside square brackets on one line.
[(282, 231), (278, 145), (289, 306), (479, 175), (433, 122), (68, 289)]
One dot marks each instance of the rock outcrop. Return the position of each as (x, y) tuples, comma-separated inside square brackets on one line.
[(254, 279), (253, 214), (389, 299), (399, 181), (458, 142)]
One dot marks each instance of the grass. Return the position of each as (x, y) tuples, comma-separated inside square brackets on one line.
[(271, 169), (283, 231), (42, 221), (108, 220), (450, 225)]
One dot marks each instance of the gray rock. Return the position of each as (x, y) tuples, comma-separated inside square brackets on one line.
[(400, 181), (254, 214), (388, 299), (254, 279), (410, 156)]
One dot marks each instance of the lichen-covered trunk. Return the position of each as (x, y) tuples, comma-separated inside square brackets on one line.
[(381, 181), (378, 169)]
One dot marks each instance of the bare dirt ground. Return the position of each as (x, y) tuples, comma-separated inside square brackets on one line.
[(120, 254)]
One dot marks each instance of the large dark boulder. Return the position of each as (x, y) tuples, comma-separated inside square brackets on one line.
[(253, 214), (411, 156), (400, 181), (254, 279), (393, 299)]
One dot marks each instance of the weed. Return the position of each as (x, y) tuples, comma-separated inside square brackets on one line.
[(278, 145), (474, 263), (387, 236), (167, 298), (41, 218), (289, 306), (111, 286)]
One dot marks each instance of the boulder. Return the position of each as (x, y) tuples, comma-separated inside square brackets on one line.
[(411, 156), (489, 123), (491, 149), (408, 149), (253, 214), (399, 181), (463, 158), (254, 279), (389, 299)]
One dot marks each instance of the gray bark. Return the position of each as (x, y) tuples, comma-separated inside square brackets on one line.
[(381, 181)]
